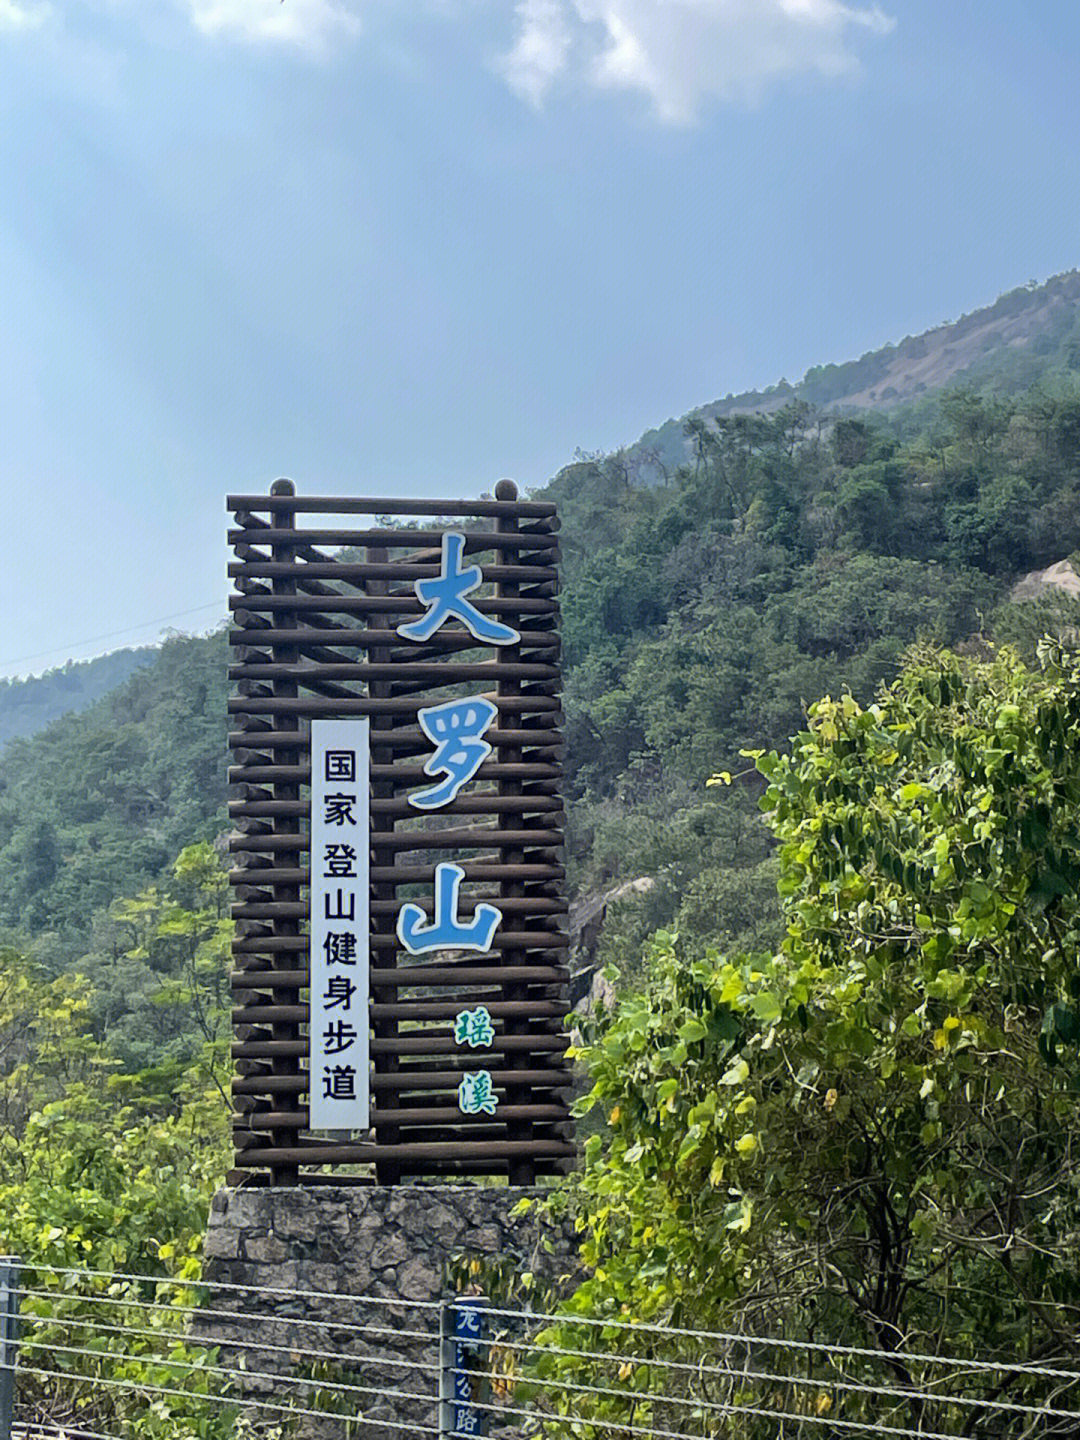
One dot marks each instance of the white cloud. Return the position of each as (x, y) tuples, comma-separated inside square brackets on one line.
[(681, 53), (540, 52), (306, 24), (23, 16)]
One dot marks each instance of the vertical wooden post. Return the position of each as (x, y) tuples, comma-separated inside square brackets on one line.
[(522, 1169), (285, 519), (387, 1172)]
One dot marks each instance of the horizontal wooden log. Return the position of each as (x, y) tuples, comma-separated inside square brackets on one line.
[(252, 793), (367, 638), (355, 572), (405, 1010), (323, 1153), (410, 774), (428, 1044), (265, 1120), (315, 706), (482, 837), (397, 602), (482, 804), (313, 1179), (541, 739), (434, 676), (536, 940), (362, 673), (432, 975), (399, 505), (298, 909), (407, 1080), (476, 541), (261, 876)]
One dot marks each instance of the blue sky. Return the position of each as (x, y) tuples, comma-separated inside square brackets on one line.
[(410, 246)]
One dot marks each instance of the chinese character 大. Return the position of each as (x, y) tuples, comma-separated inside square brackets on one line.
[(445, 598)]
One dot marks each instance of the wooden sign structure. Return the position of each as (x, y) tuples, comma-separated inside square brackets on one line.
[(452, 688)]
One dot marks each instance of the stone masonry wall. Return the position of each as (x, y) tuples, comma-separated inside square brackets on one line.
[(336, 1268)]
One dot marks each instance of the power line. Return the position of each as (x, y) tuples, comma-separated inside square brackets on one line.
[(111, 634)]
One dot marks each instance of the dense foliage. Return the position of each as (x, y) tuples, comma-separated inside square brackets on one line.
[(793, 558), (112, 1139), (100, 802), (870, 1134), (849, 1112)]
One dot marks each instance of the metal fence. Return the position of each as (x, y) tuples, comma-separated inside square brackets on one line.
[(91, 1355)]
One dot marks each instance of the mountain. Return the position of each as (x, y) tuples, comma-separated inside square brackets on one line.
[(99, 802), (784, 560), (1027, 336), (28, 705)]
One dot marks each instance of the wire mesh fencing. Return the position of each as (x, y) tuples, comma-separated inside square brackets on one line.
[(107, 1356)]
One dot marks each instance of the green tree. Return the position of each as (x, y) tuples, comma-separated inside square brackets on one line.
[(870, 1135)]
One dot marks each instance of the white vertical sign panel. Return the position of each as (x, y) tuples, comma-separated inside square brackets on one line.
[(339, 1082)]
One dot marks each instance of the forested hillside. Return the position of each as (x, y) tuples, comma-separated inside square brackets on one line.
[(28, 705), (100, 802), (919, 864), (1028, 336), (796, 555)]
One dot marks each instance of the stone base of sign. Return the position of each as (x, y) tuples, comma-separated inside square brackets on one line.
[(357, 1273)]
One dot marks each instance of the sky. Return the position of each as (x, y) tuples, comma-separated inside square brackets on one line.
[(408, 247)]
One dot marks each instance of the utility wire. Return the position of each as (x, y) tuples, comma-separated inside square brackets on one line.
[(111, 634)]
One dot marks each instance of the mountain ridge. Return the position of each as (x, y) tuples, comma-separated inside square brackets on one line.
[(1010, 344)]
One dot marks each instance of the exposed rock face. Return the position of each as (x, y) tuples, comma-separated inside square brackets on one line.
[(357, 1273), (1061, 576)]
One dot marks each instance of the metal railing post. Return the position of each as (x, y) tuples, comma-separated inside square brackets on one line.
[(446, 1370), (9, 1339)]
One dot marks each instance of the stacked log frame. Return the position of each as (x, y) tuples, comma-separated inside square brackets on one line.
[(314, 632)]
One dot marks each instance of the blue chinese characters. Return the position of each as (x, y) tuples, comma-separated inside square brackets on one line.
[(456, 728), (447, 932), (445, 597)]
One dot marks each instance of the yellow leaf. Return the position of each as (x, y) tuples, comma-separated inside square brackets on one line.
[(746, 1144)]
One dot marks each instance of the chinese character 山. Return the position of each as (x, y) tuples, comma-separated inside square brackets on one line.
[(447, 932)]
